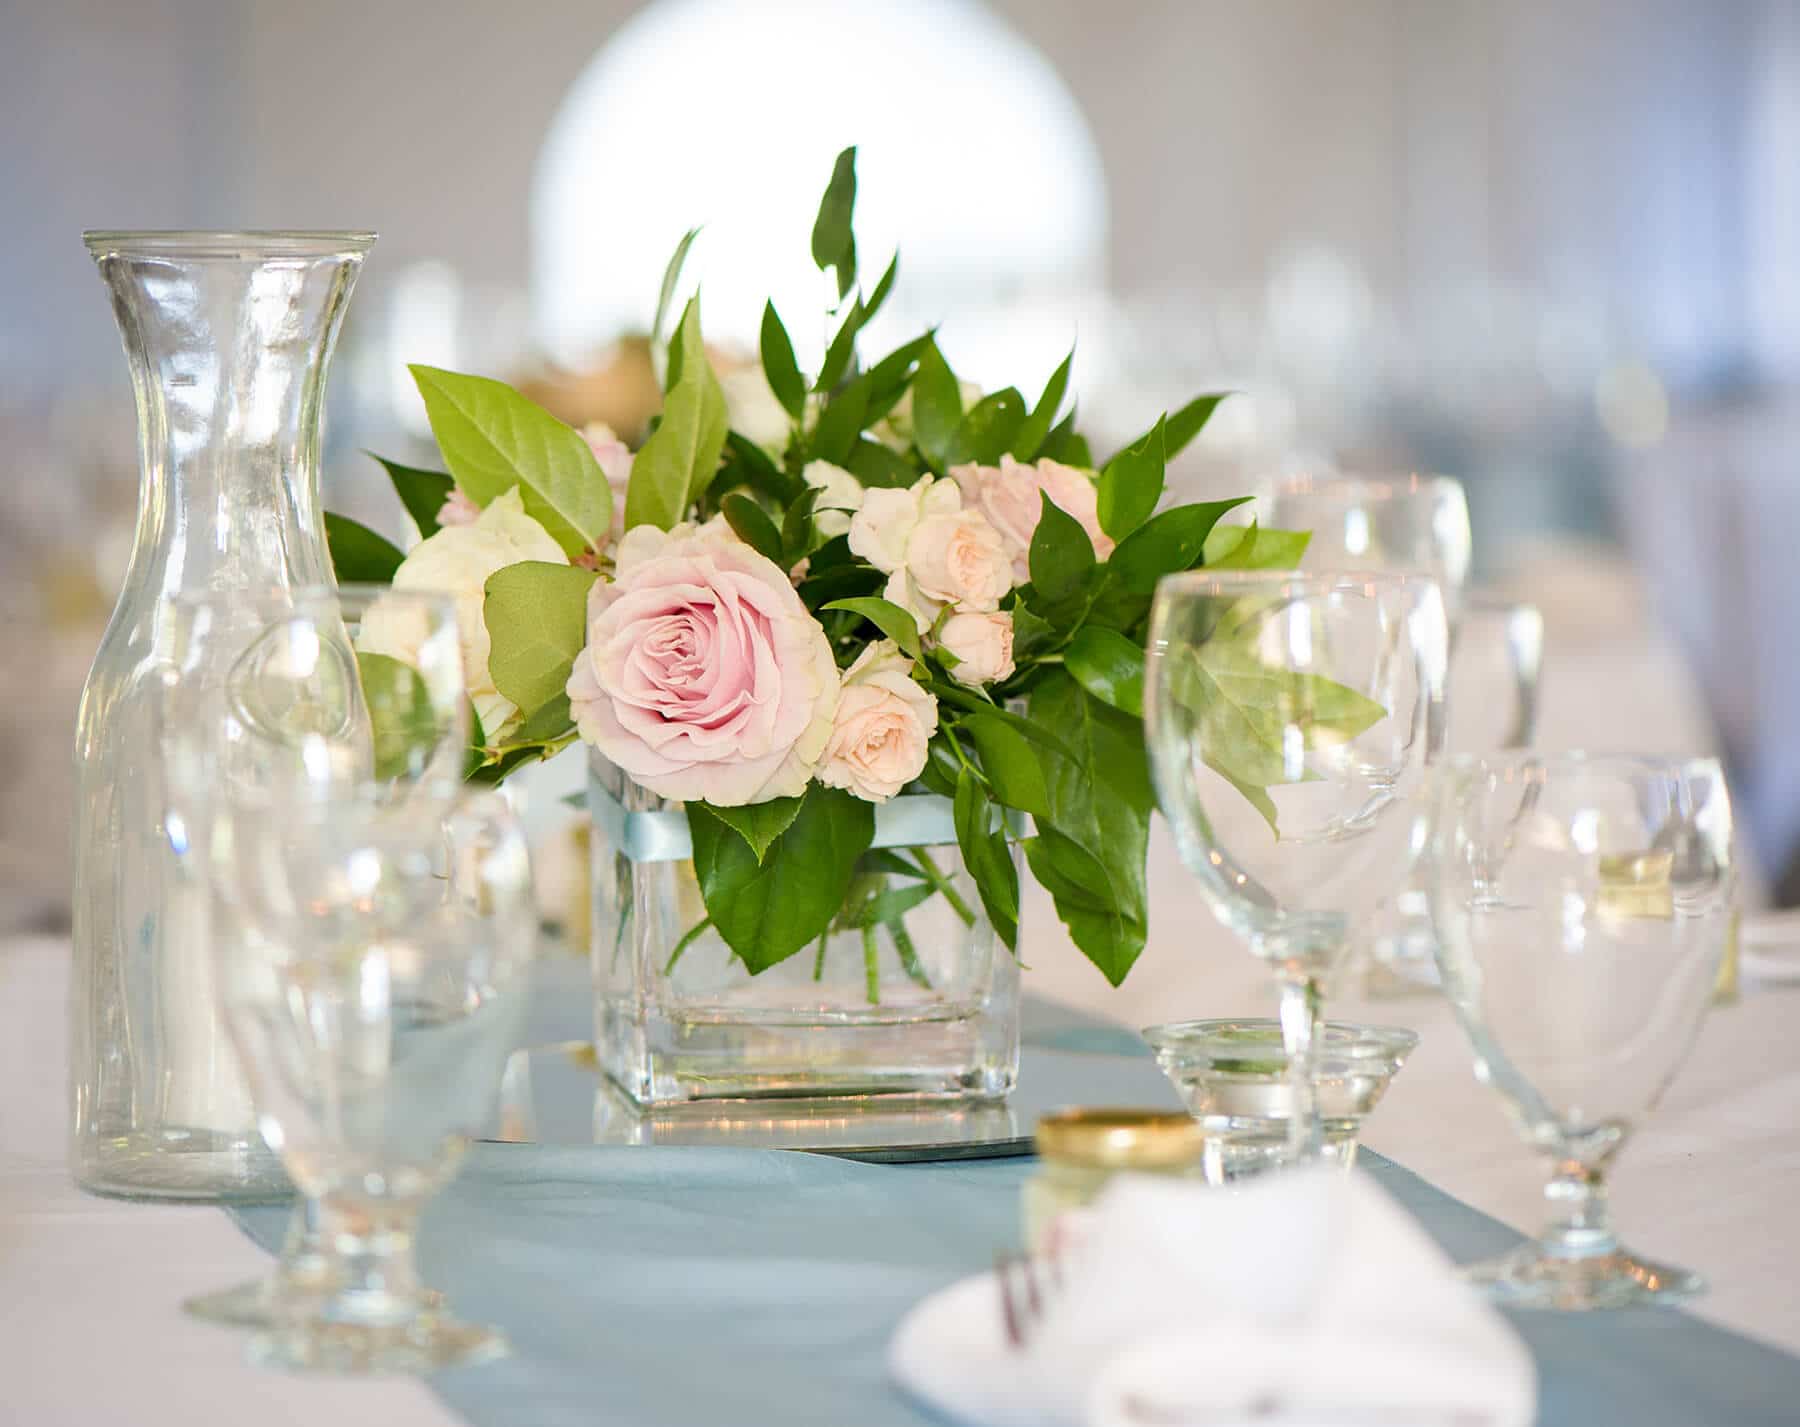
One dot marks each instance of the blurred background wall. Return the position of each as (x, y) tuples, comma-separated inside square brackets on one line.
[(1550, 246)]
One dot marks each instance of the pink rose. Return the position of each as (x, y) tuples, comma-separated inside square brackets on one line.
[(457, 509), (1011, 495), (704, 675), (883, 726), (959, 559), (982, 644), (614, 457)]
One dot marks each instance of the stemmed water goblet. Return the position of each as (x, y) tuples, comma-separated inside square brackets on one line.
[(260, 696), (1582, 904), (1290, 717)]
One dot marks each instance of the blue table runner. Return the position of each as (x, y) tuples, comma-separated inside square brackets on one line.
[(676, 1287)]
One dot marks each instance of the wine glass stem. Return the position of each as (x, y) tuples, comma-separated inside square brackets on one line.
[(303, 1255), (1300, 999), (1582, 1226), (374, 1249)]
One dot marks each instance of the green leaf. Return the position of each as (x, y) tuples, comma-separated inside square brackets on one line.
[(1037, 426), (1062, 556), (1011, 762), (799, 533), (493, 439), (1132, 483), (671, 275), (747, 464), (536, 617), (402, 717), (1166, 543), (1031, 631), (358, 555), (897, 624), (1187, 423), (752, 524), (1067, 445), (1252, 547), (987, 429), (779, 365), (1099, 803), (988, 858), (842, 421), (876, 465), (882, 288), (936, 405), (767, 910), (833, 241), (888, 378), (889, 906), (681, 457), (423, 493), (842, 349), (759, 824), (1109, 666)]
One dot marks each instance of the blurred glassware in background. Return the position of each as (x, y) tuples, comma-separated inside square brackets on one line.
[(1491, 703), (229, 336), (1291, 718), (1582, 904), (265, 704)]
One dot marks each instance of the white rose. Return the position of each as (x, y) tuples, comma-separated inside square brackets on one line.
[(457, 561), (882, 728), (752, 407), (959, 559), (881, 528), (982, 644), (840, 497)]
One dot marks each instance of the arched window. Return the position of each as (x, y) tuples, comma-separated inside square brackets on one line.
[(972, 156)]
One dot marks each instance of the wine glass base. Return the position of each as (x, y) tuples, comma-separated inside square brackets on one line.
[(1529, 1277), (268, 1302), (420, 1345)]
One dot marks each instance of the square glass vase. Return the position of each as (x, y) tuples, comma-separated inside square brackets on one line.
[(912, 996)]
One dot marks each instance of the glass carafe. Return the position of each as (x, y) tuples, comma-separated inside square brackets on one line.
[(228, 336)]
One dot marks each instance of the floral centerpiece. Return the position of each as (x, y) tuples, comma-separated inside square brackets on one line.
[(900, 592)]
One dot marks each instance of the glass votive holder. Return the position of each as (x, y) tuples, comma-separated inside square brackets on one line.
[(1081, 1149), (1232, 1075)]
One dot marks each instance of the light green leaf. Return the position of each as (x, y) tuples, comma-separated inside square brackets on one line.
[(897, 624), (493, 439), (402, 717), (1132, 483), (1011, 762), (833, 239), (1037, 426), (358, 555), (1252, 547), (759, 824), (769, 909), (1165, 544), (987, 429), (779, 365), (671, 276), (1062, 556), (681, 457), (423, 493), (1109, 666), (752, 525), (536, 616), (936, 406)]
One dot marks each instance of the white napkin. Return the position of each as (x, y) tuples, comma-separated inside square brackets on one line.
[(1297, 1299)]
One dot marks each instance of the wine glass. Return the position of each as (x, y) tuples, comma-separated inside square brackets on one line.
[(1491, 700), (1290, 718), (1414, 524), (1582, 905), (388, 988), (264, 692)]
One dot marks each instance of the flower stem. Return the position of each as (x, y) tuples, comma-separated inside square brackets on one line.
[(819, 956), (909, 954), (935, 876), (871, 969), (688, 938), (1300, 1000)]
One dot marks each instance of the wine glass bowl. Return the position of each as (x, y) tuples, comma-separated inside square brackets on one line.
[(1290, 717), (1581, 904)]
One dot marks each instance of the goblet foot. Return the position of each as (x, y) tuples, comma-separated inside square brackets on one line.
[(417, 1345), (268, 1302), (1531, 1276)]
